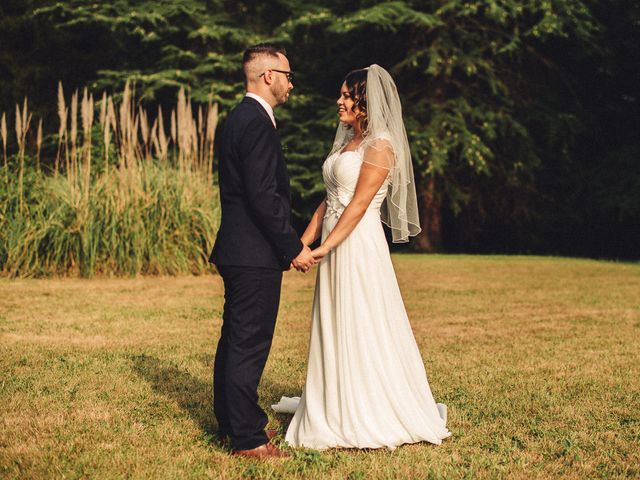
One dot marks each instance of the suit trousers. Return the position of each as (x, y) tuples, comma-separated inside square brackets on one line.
[(252, 298)]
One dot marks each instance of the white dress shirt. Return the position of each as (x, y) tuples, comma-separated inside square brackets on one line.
[(264, 104)]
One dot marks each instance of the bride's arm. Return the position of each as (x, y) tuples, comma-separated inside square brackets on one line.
[(372, 176), (314, 229)]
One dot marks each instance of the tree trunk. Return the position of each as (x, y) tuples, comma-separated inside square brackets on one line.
[(430, 238)]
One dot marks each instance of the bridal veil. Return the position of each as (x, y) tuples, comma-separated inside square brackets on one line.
[(385, 130)]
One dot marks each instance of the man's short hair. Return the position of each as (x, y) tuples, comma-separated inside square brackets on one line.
[(261, 49)]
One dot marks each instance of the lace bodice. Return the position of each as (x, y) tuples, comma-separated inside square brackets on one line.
[(340, 172)]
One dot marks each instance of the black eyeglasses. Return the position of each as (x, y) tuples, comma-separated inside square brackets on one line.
[(288, 74)]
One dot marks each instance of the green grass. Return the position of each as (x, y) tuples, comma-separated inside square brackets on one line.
[(149, 221), (121, 199), (537, 359)]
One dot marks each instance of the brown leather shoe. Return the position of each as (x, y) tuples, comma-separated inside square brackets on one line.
[(263, 452), (223, 438)]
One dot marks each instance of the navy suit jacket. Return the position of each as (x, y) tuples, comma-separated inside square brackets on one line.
[(255, 196)]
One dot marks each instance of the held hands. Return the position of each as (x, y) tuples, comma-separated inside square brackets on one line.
[(307, 258), (304, 261), (320, 252)]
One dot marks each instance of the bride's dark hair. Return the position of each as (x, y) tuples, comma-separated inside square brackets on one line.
[(356, 81)]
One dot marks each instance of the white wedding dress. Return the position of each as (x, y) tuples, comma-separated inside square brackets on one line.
[(366, 384)]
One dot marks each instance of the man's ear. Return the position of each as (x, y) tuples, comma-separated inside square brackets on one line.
[(268, 76)]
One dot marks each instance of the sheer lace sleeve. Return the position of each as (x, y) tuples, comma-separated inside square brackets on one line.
[(379, 153)]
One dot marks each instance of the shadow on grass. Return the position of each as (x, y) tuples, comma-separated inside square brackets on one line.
[(270, 393), (190, 393), (195, 396)]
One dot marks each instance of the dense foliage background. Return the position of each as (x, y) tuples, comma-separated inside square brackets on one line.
[(523, 115)]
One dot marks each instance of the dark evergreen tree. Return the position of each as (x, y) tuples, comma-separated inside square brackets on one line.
[(521, 115)]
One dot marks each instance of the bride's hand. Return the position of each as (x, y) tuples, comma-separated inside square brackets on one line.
[(320, 252)]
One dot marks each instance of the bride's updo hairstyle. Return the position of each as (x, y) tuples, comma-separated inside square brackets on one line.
[(356, 81)]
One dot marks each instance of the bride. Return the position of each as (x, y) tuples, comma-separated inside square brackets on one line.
[(366, 385)]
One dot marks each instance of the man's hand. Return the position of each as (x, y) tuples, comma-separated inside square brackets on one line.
[(304, 261)]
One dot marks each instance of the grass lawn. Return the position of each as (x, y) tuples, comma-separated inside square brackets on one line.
[(537, 358)]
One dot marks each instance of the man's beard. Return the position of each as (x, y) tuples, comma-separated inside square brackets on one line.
[(280, 94)]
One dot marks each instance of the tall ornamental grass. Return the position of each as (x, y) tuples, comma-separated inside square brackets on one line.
[(122, 197)]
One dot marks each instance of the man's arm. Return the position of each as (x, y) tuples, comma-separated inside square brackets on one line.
[(259, 159)]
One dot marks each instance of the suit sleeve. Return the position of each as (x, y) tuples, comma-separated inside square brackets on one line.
[(259, 157)]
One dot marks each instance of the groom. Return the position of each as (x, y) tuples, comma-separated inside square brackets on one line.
[(255, 243)]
